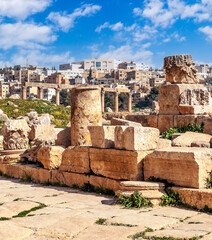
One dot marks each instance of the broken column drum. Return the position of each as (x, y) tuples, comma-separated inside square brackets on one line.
[(85, 111)]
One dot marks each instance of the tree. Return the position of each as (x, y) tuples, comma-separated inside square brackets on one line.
[(147, 101), (90, 76)]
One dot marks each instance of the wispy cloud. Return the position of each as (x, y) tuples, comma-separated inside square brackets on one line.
[(207, 30), (67, 21), (21, 9), (39, 58), (128, 53), (165, 13), (25, 35)]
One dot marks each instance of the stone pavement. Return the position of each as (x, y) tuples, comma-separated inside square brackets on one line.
[(64, 213)]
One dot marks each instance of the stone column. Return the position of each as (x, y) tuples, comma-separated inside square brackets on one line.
[(116, 102), (57, 96), (129, 102), (24, 92), (103, 100), (85, 111), (40, 92)]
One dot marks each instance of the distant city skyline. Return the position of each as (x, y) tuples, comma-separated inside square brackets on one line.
[(53, 32)]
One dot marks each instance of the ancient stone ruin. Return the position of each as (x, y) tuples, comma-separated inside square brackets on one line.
[(127, 153), (180, 69)]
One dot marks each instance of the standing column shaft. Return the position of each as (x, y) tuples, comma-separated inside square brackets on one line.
[(129, 102), (40, 92), (58, 96), (116, 96), (85, 111), (24, 93), (103, 100)]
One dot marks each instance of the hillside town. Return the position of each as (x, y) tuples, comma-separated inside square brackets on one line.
[(106, 73)]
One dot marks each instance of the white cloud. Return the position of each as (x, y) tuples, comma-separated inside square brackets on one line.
[(166, 40), (66, 21), (128, 53), (207, 30), (141, 34), (21, 9), (38, 58), (25, 35), (165, 13), (114, 27), (137, 11), (146, 45)]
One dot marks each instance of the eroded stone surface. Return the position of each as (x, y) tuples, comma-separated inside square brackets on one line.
[(85, 111), (136, 138), (71, 214), (50, 156), (15, 134), (186, 166), (180, 69), (102, 136)]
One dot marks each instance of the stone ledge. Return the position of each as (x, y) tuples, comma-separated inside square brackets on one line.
[(41, 175), (198, 198)]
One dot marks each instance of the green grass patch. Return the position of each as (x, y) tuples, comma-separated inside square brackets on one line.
[(189, 128), (101, 221), (24, 213), (136, 200)]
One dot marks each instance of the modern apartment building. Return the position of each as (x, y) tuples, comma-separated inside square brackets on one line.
[(56, 78), (101, 65), (4, 90), (127, 65)]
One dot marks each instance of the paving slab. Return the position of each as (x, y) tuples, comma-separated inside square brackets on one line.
[(72, 214)]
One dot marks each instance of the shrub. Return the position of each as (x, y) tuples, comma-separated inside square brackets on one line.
[(209, 180), (136, 200), (189, 127)]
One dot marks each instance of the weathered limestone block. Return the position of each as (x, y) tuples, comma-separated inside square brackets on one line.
[(187, 109), (136, 138), (63, 137), (202, 144), (85, 111), (145, 120), (105, 183), (208, 126), (198, 198), (117, 164), (164, 143), (75, 159), (187, 167), (102, 136), (44, 119), (183, 120), (50, 156), (201, 119), (180, 69), (69, 178), (172, 96), (123, 122), (165, 122), (15, 134), (3, 117), (197, 96), (43, 133), (186, 139), (32, 115)]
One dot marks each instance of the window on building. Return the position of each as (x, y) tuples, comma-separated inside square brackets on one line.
[(98, 64)]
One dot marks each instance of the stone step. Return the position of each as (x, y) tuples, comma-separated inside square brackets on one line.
[(154, 196), (10, 152), (140, 185)]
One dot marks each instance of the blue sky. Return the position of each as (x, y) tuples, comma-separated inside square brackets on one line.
[(50, 32)]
